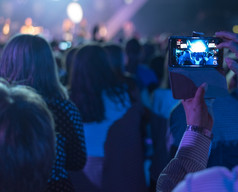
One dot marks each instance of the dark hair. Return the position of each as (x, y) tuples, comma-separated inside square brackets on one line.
[(91, 77), (28, 60), (133, 52), (116, 58), (69, 57), (157, 65), (133, 47), (27, 140), (148, 52)]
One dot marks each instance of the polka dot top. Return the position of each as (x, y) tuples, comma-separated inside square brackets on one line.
[(70, 147)]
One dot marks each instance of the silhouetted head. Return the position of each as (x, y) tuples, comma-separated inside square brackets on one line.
[(28, 60), (116, 58), (95, 32), (27, 140), (148, 52), (158, 66), (91, 77), (133, 52), (133, 48)]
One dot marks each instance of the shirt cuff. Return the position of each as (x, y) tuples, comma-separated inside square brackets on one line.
[(194, 146)]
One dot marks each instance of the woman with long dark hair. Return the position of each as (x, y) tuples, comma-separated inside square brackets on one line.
[(117, 61), (110, 123), (92, 81), (28, 60)]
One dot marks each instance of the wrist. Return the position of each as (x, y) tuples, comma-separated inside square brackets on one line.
[(201, 130)]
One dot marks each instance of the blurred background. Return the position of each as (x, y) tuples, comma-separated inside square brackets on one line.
[(116, 19)]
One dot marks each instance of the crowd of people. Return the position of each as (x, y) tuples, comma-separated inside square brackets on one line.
[(100, 116)]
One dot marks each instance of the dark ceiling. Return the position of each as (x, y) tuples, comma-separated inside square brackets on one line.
[(185, 16)]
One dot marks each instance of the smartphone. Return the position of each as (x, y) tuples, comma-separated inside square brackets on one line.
[(64, 45), (195, 52), (193, 61)]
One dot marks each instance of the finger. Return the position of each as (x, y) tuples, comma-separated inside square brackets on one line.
[(230, 45), (199, 96), (186, 102), (227, 35), (233, 65)]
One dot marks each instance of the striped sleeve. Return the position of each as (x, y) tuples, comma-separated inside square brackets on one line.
[(191, 156)]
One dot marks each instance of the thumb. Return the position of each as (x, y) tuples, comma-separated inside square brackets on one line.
[(199, 96)]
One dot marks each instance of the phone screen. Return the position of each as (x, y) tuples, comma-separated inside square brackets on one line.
[(195, 52), (64, 45)]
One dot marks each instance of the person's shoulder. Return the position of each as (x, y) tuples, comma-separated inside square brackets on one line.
[(216, 170), (65, 105), (69, 105), (211, 179)]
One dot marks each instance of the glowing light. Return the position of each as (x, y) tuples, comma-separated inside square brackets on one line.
[(65, 45), (128, 29), (6, 29), (103, 31), (28, 21), (183, 46), (211, 45), (68, 25), (128, 1), (235, 29), (29, 29), (198, 46), (75, 12)]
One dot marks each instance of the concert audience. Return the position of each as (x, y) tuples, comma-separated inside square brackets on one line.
[(121, 102), (27, 140), (28, 60), (193, 152)]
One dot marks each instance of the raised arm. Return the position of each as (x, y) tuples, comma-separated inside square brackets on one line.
[(192, 154)]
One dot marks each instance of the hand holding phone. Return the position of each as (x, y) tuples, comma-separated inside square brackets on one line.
[(193, 61), (230, 41)]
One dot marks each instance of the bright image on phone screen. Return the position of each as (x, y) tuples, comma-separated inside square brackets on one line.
[(196, 52)]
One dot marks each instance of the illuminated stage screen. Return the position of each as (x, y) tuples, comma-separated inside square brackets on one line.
[(195, 52)]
